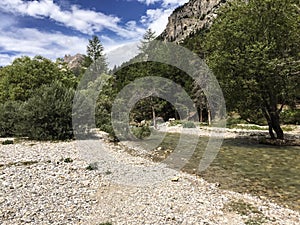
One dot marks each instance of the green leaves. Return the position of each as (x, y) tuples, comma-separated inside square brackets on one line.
[(48, 114), (253, 49), (20, 80), (96, 55)]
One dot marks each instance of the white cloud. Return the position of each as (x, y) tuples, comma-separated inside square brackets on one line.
[(32, 42), (5, 59), (157, 19), (85, 21), (149, 2), (16, 41), (164, 3), (173, 3), (121, 53)]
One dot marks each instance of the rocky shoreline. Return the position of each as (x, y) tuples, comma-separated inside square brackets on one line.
[(50, 183), (227, 133)]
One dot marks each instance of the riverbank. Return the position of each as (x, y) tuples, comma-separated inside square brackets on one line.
[(50, 183), (228, 133)]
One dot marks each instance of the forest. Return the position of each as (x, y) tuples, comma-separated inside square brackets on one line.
[(252, 49)]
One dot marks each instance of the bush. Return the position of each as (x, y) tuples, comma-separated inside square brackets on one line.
[(141, 132), (7, 142), (103, 108), (48, 114), (9, 117), (291, 116), (68, 160), (92, 166), (188, 124), (175, 122), (233, 122)]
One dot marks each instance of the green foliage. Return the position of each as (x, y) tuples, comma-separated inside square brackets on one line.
[(68, 160), (248, 127), (253, 49), (20, 80), (291, 116), (188, 124), (9, 117), (253, 215), (92, 166), (7, 142), (103, 106), (48, 114), (175, 122), (288, 128), (141, 132), (95, 53), (232, 121), (144, 108), (147, 38)]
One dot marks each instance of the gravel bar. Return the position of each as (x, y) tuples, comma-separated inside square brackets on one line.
[(49, 183)]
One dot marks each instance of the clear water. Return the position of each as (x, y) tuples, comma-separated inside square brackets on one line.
[(245, 166)]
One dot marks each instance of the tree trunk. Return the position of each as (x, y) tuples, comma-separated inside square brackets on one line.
[(276, 125), (201, 115), (208, 116), (271, 130), (154, 118), (272, 117)]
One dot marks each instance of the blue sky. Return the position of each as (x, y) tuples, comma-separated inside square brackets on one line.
[(53, 28)]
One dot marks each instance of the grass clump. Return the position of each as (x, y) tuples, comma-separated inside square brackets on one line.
[(68, 160), (288, 128), (175, 122), (188, 124), (8, 142), (141, 132), (92, 166), (248, 127), (254, 216)]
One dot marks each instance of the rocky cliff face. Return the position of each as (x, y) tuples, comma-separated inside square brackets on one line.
[(190, 18), (75, 61)]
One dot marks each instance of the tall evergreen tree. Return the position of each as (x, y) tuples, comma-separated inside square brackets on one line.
[(147, 38), (95, 52)]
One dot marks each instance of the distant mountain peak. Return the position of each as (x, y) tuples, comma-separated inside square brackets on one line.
[(193, 16), (75, 61)]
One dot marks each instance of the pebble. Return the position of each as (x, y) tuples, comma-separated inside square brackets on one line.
[(38, 187)]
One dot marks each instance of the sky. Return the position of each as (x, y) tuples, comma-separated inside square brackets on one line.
[(54, 28)]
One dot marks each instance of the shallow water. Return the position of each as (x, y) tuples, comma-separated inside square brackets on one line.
[(245, 166)]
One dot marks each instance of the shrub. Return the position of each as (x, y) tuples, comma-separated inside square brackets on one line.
[(175, 122), (48, 114), (9, 117), (188, 124), (232, 122), (92, 166), (7, 142), (291, 116), (68, 160), (103, 108), (141, 132)]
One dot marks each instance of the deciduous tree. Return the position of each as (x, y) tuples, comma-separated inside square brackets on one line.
[(253, 49)]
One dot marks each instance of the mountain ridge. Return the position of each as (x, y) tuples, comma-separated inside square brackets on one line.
[(188, 19)]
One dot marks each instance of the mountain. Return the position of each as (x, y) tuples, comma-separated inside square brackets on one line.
[(74, 61), (190, 18)]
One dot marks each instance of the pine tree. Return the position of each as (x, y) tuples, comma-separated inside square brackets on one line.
[(95, 52), (147, 38)]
